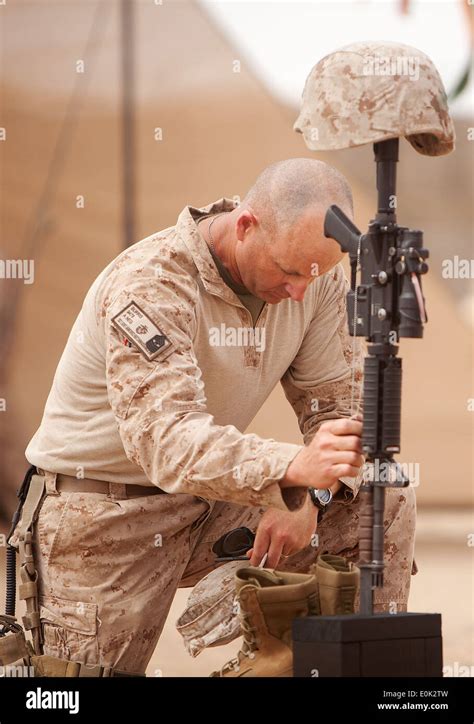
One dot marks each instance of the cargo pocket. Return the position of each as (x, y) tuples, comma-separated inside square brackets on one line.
[(70, 629)]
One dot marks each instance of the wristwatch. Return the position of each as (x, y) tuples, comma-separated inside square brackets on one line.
[(321, 498)]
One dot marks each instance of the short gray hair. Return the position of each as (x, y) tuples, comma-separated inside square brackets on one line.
[(286, 189)]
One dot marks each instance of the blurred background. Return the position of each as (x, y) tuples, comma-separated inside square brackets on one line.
[(116, 114)]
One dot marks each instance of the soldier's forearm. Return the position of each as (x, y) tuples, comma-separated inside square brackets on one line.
[(338, 485), (296, 475)]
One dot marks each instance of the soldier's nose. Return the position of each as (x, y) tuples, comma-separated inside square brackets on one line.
[(296, 292)]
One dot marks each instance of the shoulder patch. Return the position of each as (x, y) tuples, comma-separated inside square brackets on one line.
[(140, 329)]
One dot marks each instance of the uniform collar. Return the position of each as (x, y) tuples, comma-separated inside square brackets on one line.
[(186, 228)]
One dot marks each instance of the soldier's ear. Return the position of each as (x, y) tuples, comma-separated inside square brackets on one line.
[(245, 221)]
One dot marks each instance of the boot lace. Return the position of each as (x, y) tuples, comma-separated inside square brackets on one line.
[(249, 646)]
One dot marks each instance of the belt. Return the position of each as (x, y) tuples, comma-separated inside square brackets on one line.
[(71, 484)]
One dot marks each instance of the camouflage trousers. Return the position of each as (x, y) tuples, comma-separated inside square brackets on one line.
[(109, 569)]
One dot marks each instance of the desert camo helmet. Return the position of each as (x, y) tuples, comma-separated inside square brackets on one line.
[(370, 91)]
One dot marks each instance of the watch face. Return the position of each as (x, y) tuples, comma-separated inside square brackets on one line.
[(324, 495)]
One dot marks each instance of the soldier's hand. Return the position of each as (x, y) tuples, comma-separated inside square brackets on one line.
[(334, 452), (280, 534)]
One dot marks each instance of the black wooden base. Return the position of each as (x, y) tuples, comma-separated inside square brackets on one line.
[(402, 644)]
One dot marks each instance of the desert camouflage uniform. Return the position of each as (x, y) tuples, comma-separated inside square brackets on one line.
[(141, 397)]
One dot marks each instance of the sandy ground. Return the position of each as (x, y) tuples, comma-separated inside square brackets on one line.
[(444, 584)]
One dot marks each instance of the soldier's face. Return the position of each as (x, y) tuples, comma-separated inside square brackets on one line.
[(283, 265)]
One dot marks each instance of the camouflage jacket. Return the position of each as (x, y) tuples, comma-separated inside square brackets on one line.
[(163, 371)]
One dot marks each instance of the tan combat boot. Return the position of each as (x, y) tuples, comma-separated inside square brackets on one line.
[(268, 602), (338, 581)]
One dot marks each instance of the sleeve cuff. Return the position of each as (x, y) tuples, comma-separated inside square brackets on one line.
[(270, 492), (350, 488)]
